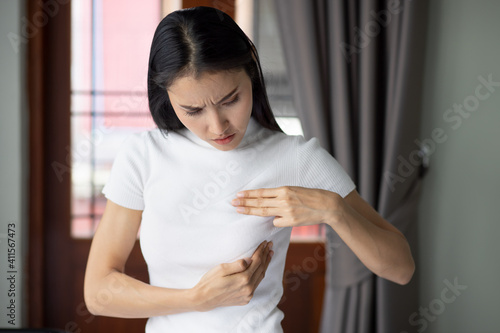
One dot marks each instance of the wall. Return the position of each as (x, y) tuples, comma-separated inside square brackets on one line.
[(459, 221), (13, 166)]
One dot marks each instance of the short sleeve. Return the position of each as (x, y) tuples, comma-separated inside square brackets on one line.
[(318, 169), (126, 182)]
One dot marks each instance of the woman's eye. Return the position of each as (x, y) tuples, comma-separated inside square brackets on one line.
[(233, 101), (226, 104), (192, 113)]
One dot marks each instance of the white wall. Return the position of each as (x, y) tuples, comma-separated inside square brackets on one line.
[(13, 166), (459, 222)]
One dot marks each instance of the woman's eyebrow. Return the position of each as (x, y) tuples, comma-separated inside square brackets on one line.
[(225, 98), (222, 100)]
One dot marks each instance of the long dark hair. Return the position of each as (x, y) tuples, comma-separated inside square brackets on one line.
[(198, 40)]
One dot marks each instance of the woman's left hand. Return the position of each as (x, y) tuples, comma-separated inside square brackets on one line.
[(377, 243), (292, 206)]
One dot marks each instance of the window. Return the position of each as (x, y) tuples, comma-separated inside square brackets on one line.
[(110, 49), (267, 40)]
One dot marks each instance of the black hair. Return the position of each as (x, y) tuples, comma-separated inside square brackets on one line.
[(194, 41)]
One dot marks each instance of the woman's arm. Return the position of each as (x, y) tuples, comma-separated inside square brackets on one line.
[(377, 243), (110, 292)]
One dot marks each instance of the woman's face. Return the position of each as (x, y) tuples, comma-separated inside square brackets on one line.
[(216, 106)]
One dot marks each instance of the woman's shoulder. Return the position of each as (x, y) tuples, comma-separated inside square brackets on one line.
[(301, 149), (288, 142), (297, 141), (141, 144), (148, 138)]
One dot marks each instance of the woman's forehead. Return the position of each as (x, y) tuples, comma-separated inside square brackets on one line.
[(212, 86)]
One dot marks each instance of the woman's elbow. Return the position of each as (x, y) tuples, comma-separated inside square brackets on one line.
[(405, 265), (400, 273), (89, 302), (405, 274), (90, 296), (91, 308)]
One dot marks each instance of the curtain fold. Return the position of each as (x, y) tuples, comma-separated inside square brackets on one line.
[(355, 68)]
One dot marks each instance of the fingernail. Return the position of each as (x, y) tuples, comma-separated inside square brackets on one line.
[(235, 202), (240, 210), (271, 254), (240, 194), (270, 245)]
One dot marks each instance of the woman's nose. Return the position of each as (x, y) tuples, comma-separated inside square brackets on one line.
[(218, 123)]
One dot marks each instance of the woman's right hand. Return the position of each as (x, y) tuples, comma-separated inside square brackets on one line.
[(233, 283)]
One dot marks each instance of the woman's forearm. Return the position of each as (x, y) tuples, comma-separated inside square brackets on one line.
[(114, 294), (119, 295), (384, 252)]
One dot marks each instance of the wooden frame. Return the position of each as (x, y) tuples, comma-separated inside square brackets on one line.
[(49, 102)]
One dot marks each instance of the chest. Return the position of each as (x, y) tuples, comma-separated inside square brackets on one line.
[(189, 223)]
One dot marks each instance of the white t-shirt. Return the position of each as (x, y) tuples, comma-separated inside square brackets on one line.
[(185, 186)]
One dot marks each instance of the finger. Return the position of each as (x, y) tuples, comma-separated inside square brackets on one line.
[(264, 211), (262, 246), (264, 270), (259, 202), (259, 273), (280, 222), (235, 267), (257, 257), (260, 256), (260, 193)]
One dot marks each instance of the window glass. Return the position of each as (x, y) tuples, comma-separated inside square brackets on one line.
[(110, 50)]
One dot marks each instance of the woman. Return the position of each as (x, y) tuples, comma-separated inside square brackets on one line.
[(215, 190)]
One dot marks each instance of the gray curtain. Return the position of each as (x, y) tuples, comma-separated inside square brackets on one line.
[(355, 69)]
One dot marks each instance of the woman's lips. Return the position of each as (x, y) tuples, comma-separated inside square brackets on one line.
[(225, 140)]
